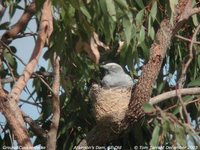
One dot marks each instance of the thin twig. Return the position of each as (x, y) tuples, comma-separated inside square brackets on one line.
[(34, 126), (31, 103), (25, 35), (8, 48), (44, 82), (186, 39), (11, 70), (34, 75), (174, 106), (184, 69), (10, 51)]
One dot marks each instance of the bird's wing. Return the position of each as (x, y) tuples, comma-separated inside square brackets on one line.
[(117, 80)]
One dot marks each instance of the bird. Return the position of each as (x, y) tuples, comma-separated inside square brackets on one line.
[(115, 76), (109, 101)]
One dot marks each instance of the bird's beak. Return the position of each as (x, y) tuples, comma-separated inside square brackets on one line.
[(103, 67)]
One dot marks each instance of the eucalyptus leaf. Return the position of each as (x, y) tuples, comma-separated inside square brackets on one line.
[(10, 59), (195, 20), (139, 16), (180, 136), (127, 30), (194, 83), (85, 12), (122, 3), (141, 35), (165, 127), (4, 26), (153, 11), (111, 9), (155, 136), (140, 3)]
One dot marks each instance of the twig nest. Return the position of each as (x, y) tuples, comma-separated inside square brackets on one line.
[(110, 104)]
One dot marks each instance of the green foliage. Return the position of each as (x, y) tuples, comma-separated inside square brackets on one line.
[(155, 136), (170, 132), (134, 22)]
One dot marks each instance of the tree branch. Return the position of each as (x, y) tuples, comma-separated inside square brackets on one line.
[(17, 28), (45, 31), (34, 75), (171, 94), (21, 24), (52, 134), (195, 11), (34, 126), (16, 120), (15, 125), (46, 28), (12, 113)]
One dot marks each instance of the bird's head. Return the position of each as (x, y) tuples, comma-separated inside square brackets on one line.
[(111, 68)]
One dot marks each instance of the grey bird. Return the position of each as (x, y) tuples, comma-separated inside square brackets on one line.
[(115, 76), (110, 102)]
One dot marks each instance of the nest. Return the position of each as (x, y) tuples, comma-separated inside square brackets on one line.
[(110, 105)]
